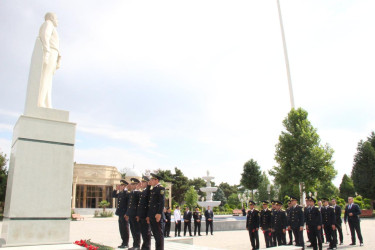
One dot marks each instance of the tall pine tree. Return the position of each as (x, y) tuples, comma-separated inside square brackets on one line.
[(363, 172)]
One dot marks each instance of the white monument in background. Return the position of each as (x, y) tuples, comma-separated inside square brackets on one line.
[(38, 197), (209, 193)]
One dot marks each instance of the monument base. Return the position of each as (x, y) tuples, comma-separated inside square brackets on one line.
[(20, 232), (49, 247), (38, 197)]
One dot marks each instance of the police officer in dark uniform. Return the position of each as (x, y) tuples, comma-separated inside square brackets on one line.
[(337, 209), (168, 216), (266, 223), (142, 213), (197, 215), (187, 220), (279, 224), (329, 223), (252, 225), (121, 194), (273, 235), (313, 220), (155, 211), (135, 226), (290, 232), (296, 222)]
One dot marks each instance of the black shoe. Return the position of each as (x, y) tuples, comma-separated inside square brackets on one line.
[(122, 246), (191, 235), (309, 245), (290, 243), (199, 235), (352, 244)]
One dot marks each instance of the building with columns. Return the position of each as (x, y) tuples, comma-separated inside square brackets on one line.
[(94, 183)]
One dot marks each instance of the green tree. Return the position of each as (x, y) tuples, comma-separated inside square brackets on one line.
[(327, 190), (3, 176), (363, 172), (180, 183), (346, 187), (228, 189), (198, 183), (234, 202), (104, 204), (251, 176), (220, 196), (262, 193), (300, 155), (191, 197)]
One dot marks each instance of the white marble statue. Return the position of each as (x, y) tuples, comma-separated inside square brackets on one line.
[(51, 58)]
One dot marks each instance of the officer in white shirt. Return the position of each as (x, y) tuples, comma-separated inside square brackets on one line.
[(177, 220)]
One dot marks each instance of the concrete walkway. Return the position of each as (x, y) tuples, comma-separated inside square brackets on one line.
[(105, 231)]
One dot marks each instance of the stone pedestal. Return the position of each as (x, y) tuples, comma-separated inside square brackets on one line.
[(38, 197)]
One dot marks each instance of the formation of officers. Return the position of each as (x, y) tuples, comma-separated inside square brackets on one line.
[(274, 223), (140, 206)]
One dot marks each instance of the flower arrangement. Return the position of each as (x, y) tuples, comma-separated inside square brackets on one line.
[(88, 246), (92, 246)]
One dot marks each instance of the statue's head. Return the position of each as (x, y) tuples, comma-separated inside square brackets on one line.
[(52, 17)]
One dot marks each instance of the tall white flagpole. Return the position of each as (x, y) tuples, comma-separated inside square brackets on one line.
[(286, 57)]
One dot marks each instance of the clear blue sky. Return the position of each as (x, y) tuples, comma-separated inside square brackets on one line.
[(200, 85)]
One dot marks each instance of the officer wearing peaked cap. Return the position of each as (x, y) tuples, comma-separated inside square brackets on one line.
[(329, 223), (142, 213), (290, 232), (296, 221), (155, 211), (122, 199), (273, 235), (252, 225), (279, 223), (131, 213), (265, 223), (313, 220)]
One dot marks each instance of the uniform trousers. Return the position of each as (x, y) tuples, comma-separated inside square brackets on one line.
[(280, 237), (268, 238), (146, 234), (167, 229), (355, 227), (339, 229), (197, 225), (124, 230), (274, 241), (315, 237), (177, 228), (157, 229), (187, 225), (254, 238), (135, 228), (290, 232), (330, 236), (209, 223), (298, 235)]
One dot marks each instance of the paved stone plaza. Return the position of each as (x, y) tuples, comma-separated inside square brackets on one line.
[(105, 231)]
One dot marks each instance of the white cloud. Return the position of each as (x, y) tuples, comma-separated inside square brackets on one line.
[(5, 127), (118, 157), (135, 137)]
